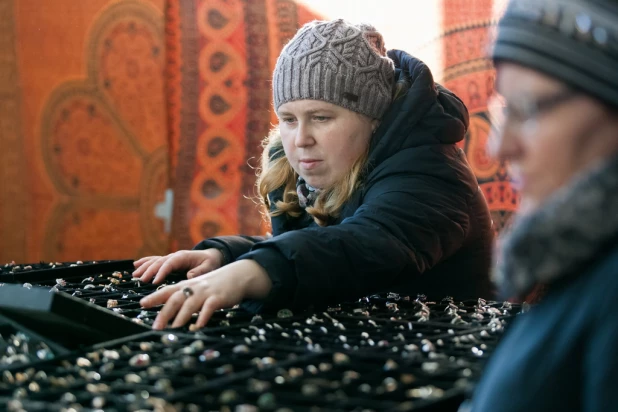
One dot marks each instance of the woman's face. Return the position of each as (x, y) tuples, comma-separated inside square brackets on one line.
[(322, 141), (548, 133)]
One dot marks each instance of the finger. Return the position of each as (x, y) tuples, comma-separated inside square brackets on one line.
[(143, 266), (154, 267), (139, 262), (172, 306), (210, 306), (160, 296), (202, 269), (175, 262), (192, 304)]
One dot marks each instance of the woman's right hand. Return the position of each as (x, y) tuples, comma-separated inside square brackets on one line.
[(197, 262)]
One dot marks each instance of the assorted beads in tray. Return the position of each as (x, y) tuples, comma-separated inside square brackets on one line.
[(383, 352)]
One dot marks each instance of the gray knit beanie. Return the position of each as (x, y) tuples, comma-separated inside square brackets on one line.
[(575, 41), (339, 63)]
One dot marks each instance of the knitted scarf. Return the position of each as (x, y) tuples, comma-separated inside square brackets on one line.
[(563, 236), (306, 193)]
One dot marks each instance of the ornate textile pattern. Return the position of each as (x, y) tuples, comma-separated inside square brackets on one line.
[(219, 66), (467, 30), (13, 197), (93, 131)]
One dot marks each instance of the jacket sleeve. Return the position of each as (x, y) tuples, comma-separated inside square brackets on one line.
[(230, 246), (404, 227)]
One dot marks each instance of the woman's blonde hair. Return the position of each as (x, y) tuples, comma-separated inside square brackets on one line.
[(276, 172)]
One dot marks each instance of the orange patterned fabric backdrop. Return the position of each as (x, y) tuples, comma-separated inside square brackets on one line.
[(98, 118), (84, 155), (221, 54), (466, 33)]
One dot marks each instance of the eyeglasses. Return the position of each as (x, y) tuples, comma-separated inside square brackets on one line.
[(521, 116)]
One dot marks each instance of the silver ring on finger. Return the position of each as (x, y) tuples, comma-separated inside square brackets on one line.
[(188, 292)]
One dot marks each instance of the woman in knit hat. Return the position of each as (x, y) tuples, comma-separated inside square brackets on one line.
[(365, 187), (557, 75)]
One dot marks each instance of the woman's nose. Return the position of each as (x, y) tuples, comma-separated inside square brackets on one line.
[(503, 145), (304, 135)]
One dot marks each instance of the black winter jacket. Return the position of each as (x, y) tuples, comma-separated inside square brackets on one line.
[(418, 224)]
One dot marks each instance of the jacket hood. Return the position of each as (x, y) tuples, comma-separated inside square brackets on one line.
[(427, 114)]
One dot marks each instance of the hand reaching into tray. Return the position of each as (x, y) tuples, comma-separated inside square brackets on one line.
[(219, 289), (197, 262)]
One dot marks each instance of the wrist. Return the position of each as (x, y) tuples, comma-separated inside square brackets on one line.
[(223, 255), (257, 283)]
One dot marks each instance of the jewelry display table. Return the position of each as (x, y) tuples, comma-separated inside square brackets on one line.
[(74, 337)]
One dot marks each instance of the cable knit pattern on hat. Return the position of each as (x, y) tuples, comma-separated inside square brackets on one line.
[(339, 63)]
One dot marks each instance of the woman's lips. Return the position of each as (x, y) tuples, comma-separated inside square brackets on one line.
[(309, 164)]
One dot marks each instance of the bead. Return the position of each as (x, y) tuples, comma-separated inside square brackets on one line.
[(240, 349), (164, 385), (93, 376), (407, 378), (430, 367), (258, 386), (340, 358), (310, 389), (110, 355), (390, 384), (390, 365), (68, 397), (98, 402), (583, 23), (139, 360), (325, 367), (169, 339), (284, 313), (209, 355), (228, 396), (425, 392), (267, 401), (132, 378)]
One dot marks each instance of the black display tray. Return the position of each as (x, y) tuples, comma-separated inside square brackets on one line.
[(43, 272), (182, 370), (20, 345), (120, 292), (443, 344), (66, 320)]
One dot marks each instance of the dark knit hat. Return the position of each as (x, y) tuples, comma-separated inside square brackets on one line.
[(339, 63), (575, 41)]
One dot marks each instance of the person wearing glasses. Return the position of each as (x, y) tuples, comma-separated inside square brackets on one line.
[(366, 189), (557, 77)]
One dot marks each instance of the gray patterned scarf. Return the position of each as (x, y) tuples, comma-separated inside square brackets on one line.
[(306, 193), (563, 235)]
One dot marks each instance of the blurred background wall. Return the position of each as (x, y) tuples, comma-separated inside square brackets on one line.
[(133, 127)]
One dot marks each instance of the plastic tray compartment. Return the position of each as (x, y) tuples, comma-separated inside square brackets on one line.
[(337, 381), (136, 372)]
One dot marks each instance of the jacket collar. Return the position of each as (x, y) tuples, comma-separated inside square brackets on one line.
[(559, 239)]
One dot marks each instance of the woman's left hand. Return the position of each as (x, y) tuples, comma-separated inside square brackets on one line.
[(219, 289)]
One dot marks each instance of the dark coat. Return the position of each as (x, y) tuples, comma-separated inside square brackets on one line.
[(563, 354), (418, 224)]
